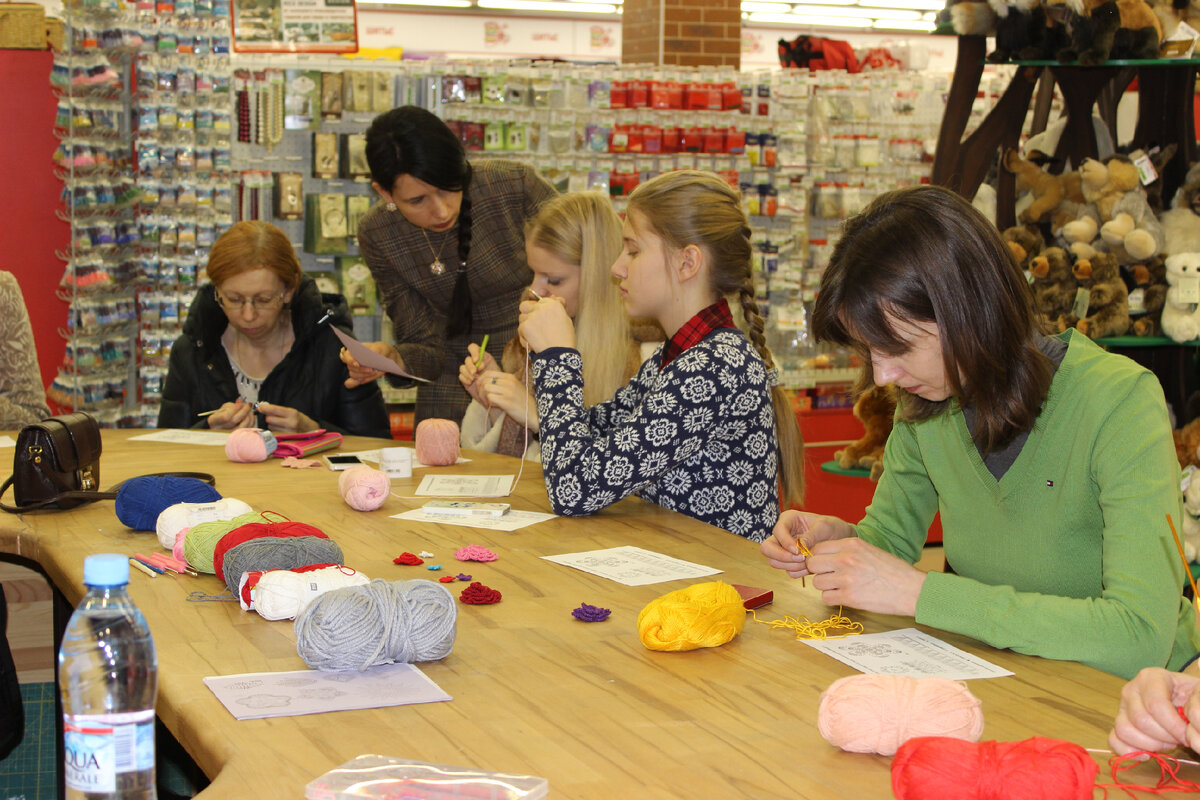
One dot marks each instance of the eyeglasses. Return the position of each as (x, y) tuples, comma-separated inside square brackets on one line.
[(233, 304)]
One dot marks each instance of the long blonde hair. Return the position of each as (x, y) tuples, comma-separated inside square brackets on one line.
[(582, 228), (690, 207)]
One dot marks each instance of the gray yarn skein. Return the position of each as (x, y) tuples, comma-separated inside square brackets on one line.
[(359, 627), (276, 552)]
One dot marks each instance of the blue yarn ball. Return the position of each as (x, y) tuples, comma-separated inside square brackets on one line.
[(140, 500)]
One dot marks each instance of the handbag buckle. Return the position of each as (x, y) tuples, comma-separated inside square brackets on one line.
[(86, 481), (35, 453)]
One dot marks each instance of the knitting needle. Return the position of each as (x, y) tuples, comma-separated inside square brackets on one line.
[(215, 410), (803, 548), (1187, 569), (133, 562), (482, 348)]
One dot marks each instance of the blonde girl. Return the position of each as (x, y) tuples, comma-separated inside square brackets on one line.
[(570, 246), (702, 428)]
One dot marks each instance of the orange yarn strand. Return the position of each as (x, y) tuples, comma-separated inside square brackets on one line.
[(836, 627), (1168, 779)]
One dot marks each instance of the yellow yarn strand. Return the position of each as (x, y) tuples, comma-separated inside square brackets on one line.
[(837, 626), (703, 615)]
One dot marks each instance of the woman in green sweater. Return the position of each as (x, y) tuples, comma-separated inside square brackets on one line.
[(1050, 460)]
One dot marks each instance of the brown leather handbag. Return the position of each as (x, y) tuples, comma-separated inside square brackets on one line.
[(57, 463)]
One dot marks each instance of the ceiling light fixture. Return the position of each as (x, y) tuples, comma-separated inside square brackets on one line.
[(823, 21), (436, 3), (852, 11), (924, 26), (548, 5), (767, 8)]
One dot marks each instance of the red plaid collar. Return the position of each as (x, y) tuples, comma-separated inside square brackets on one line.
[(695, 329)]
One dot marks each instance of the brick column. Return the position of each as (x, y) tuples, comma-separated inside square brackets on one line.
[(692, 33)]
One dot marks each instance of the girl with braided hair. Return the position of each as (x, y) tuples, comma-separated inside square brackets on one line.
[(703, 428), (446, 247)]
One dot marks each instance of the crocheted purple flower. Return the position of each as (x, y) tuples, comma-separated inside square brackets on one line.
[(463, 576), (589, 613)]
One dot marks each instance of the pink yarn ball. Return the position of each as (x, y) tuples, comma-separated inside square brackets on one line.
[(363, 488), (249, 444), (177, 550), (437, 442), (878, 713)]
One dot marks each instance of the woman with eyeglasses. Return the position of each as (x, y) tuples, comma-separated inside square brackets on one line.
[(256, 352)]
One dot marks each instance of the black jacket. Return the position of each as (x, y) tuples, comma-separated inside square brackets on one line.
[(309, 379)]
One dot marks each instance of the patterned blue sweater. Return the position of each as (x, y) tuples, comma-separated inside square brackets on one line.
[(697, 437)]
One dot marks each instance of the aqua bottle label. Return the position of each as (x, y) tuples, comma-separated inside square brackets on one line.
[(99, 747)]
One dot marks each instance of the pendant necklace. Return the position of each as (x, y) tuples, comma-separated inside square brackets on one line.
[(436, 266)]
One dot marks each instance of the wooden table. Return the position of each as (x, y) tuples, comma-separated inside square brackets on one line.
[(535, 691)]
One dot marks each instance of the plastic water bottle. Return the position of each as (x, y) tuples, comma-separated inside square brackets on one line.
[(108, 676)]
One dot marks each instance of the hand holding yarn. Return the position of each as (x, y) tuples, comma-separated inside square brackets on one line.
[(781, 549), (284, 419), (856, 574), (437, 442), (545, 323), (230, 416), (1149, 718), (878, 713), (364, 488), (502, 390), (469, 375)]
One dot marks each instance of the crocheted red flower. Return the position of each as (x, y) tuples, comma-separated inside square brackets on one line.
[(447, 579), (478, 595), (408, 558)]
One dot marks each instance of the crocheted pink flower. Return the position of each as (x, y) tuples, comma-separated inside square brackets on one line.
[(475, 552)]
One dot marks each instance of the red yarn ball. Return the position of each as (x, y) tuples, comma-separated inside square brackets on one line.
[(938, 767), (437, 442)]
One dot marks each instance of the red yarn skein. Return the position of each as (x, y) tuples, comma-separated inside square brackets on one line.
[(938, 767), (260, 530)]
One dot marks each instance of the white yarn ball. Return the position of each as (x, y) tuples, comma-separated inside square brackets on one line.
[(284, 593), (181, 516)]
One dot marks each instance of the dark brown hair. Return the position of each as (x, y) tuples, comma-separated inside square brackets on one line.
[(926, 255)]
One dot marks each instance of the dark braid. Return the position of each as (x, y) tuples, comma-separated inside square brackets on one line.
[(458, 318), (755, 322)]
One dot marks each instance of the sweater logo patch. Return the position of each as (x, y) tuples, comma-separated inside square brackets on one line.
[(1050, 484)]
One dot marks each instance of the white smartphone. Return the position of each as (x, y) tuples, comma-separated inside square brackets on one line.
[(340, 462), (462, 508)]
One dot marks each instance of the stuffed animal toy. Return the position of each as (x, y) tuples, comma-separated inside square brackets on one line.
[(1093, 25), (971, 18), (1187, 444), (1020, 28), (1107, 300), (1191, 513), (876, 410), (1147, 296), (1053, 285), (1117, 211), (1025, 242), (1172, 12), (1181, 312), (1181, 224), (1047, 189)]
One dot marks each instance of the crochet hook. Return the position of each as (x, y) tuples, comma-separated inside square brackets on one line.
[(482, 348)]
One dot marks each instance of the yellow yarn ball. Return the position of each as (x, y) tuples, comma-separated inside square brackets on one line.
[(703, 615)]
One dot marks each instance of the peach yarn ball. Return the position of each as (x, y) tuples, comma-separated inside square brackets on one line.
[(878, 713), (437, 442), (363, 488), (249, 444)]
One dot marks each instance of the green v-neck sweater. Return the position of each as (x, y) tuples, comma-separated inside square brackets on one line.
[(1069, 555)]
